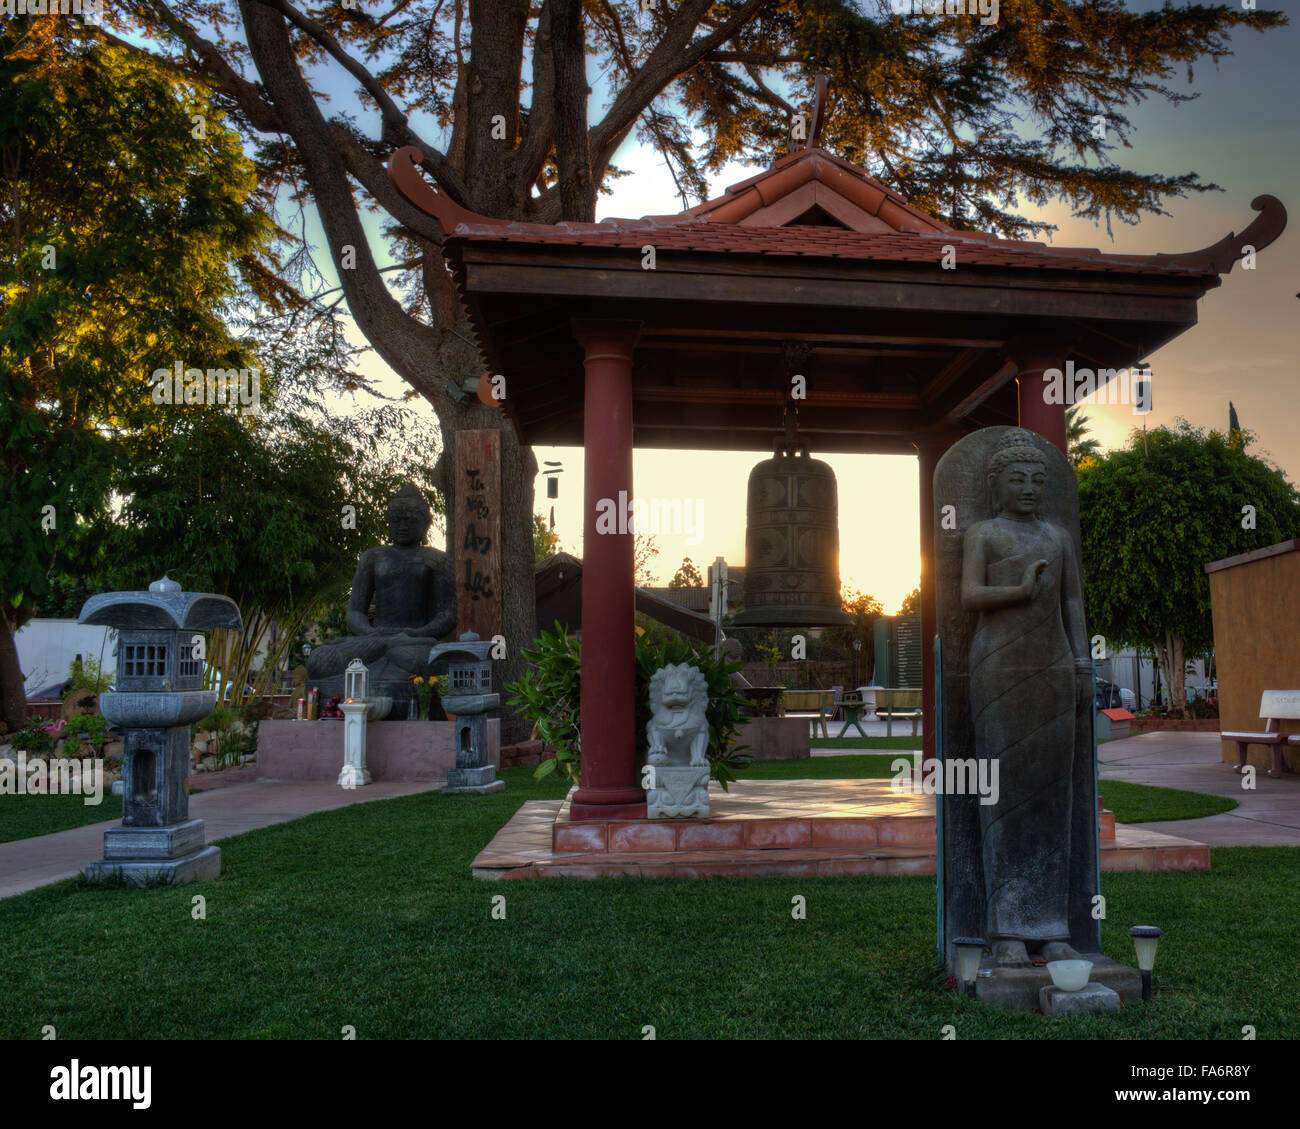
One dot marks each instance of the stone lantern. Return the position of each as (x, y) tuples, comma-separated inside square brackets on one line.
[(157, 694), (356, 688), (469, 696)]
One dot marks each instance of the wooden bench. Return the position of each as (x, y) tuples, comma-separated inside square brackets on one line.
[(1274, 706), (809, 701), (898, 702)]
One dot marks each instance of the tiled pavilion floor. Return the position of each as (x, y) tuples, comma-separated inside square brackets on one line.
[(774, 828)]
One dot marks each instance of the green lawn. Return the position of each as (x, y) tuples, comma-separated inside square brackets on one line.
[(367, 917), (1141, 803), (22, 817), (905, 743)]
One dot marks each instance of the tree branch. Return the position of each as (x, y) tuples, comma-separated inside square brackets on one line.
[(261, 115), (404, 342), (397, 129), (540, 135), (572, 157), (372, 175), (675, 54)]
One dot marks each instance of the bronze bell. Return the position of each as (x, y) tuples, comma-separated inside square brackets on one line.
[(792, 540)]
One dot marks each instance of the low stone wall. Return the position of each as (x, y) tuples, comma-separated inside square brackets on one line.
[(1178, 724), (395, 750), (775, 738), (525, 754)]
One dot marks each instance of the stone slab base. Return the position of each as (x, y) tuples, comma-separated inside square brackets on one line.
[(473, 789), (198, 867), (1091, 997), (1017, 989), (395, 750), (770, 828), (144, 844)]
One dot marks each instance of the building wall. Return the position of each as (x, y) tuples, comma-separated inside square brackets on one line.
[(1256, 606), (47, 647)]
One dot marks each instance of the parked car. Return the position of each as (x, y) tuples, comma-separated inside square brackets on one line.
[(224, 688), (1108, 696)]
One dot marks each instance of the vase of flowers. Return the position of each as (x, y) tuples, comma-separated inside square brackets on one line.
[(422, 695)]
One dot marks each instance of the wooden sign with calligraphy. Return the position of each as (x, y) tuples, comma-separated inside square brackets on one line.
[(478, 532)]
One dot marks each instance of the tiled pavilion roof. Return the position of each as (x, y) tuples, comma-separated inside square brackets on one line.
[(853, 217), (811, 266)]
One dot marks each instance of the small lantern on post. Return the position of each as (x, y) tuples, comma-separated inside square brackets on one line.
[(970, 950), (356, 682), (356, 688), (469, 696), (157, 694)]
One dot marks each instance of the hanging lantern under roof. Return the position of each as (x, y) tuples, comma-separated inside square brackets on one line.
[(792, 540)]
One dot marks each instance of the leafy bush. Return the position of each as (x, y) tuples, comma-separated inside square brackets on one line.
[(33, 738), (254, 710), (87, 728), (549, 694), (224, 741)]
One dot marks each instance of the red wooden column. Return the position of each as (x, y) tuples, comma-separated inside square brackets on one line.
[(609, 788), (1036, 414)]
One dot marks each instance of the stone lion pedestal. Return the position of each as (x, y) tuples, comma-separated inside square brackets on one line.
[(677, 792)]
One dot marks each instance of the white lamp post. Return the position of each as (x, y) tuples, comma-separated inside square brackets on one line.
[(356, 687)]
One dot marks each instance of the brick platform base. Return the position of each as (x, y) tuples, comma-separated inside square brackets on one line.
[(773, 828)]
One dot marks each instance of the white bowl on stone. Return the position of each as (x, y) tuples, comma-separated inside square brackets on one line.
[(1069, 975)]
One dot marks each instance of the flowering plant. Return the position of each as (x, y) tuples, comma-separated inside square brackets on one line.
[(424, 689)]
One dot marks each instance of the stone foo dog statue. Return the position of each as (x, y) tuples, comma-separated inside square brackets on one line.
[(678, 728), (678, 732)]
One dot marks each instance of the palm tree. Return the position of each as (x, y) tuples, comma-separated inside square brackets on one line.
[(1076, 427)]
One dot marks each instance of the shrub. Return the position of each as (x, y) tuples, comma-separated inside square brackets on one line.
[(88, 729), (549, 695), (33, 738), (224, 741), (256, 709)]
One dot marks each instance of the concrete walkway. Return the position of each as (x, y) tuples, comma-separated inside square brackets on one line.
[(28, 863), (1267, 816)]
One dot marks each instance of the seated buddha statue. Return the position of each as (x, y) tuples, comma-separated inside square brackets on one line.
[(403, 603)]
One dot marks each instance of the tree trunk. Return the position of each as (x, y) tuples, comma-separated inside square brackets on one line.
[(518, 471), (1173, 666), (13, 698)]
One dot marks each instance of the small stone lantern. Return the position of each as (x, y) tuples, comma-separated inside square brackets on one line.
[(356, 687), (156, 695), (469, 696)]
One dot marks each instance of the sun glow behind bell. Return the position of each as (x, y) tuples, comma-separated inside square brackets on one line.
[(879, 519)]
